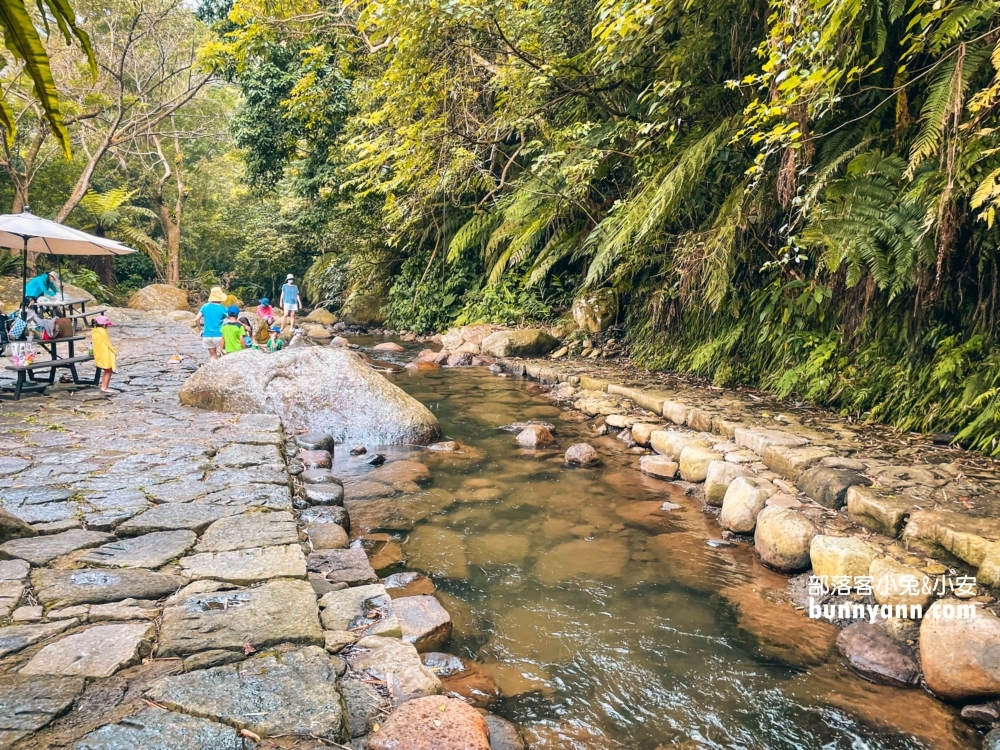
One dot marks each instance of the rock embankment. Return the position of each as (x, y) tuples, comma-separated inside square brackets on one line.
[(911, 538)]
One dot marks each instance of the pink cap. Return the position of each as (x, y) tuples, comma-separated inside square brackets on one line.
[(103, 320)]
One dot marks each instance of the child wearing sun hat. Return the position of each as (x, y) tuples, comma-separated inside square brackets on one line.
[(105, 353)]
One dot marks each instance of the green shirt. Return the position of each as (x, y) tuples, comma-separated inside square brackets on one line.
[(274, 346), (232, 337)]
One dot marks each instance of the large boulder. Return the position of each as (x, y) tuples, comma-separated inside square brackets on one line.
[(432, 724), (322, 317), (743, 501), (328, 389), (596, 311), (960, 656), (159, 297), (362, 310), (523, 342)]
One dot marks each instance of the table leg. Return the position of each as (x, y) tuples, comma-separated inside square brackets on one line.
[(17, 386)]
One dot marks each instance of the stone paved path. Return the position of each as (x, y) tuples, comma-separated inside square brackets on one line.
[(159, 596)]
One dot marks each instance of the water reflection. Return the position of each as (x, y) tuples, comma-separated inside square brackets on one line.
[(606, 621)]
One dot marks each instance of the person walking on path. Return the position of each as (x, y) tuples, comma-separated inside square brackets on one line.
[(105, 353), (212, 313), (290, 300)]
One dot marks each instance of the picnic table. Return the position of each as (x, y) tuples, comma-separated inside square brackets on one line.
[(28, 380), (76, 309)]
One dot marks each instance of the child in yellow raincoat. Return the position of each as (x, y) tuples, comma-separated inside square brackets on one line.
[(105, 354)]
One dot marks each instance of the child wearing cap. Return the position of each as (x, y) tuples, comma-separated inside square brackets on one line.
[(290, 300), (213, 313), (105, 354), (265, 312), (232, 331), (274, 344)]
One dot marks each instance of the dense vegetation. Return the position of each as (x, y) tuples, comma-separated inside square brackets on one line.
[(796, 194)]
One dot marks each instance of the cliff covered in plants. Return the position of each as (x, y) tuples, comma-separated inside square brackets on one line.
[(795, 194)]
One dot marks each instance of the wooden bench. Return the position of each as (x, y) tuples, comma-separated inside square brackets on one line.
[(24, 372), (84, 315)]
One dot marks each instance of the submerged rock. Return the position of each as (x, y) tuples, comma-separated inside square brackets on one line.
[(535, 436), (437, 723), (463, 679), (581, 454), (328, 389), (878, 656)]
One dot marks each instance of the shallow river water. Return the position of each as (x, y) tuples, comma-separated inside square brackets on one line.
[(610, 623)]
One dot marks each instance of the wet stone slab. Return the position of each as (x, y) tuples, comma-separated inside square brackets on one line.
[(41, 550), (66, 588), (28, 703), (348, 566), (290, 693), (156, 729), (148, 551), (246, 566), (174, 516), (282, 611), (241, 456), (249, 530), (99, 651)]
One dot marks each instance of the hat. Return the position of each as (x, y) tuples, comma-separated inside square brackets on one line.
[(264, 301), (103, 320), (217, 295), (289, 277), (233, 310), (275, 329)]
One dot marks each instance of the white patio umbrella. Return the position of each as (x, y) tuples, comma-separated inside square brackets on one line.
[(30, 233)]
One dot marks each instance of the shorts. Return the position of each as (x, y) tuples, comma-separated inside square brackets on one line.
[(211, 342), (290, 307)]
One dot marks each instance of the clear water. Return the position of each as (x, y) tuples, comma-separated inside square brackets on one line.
[(612, 624)]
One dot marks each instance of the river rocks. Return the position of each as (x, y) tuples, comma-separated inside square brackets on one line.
[(246, 566), (783, 537), (248, 530), (329, 389), (435, 723), (408, 583), (524, 342), (595, 311), (694, 462), (159, 297), (315, 441), (12, 527), (348, 566), (326, 536), (641, 432), (581, 454), (425, 623), (28, 703), (66, 588), (388, 346), (322, 494), (315, 459), (894, 583), (960, 656), (326, 514), (463, 679), (172, 517), (759, 439), (275, 612), (397, 663), (582, 560), (398, 472), (362, 310), (829, 486), (156, 729), (671, 443), (744, 500), (438, 552), (152, 550), (943, 534), (535, 436), (791, 462), (16, 637), (41, 550), (719, 476), (660, 467), (878, 510), (276, 694), (503, 734), (363, 610), (838, 556), (98, 651), (878, 656)]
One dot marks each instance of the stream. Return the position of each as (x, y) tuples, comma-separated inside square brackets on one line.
[(610, 622)]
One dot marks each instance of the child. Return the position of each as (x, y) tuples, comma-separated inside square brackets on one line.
[(212, 313), (105, 355), (274, 344), (232, 331), (265, 312)]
